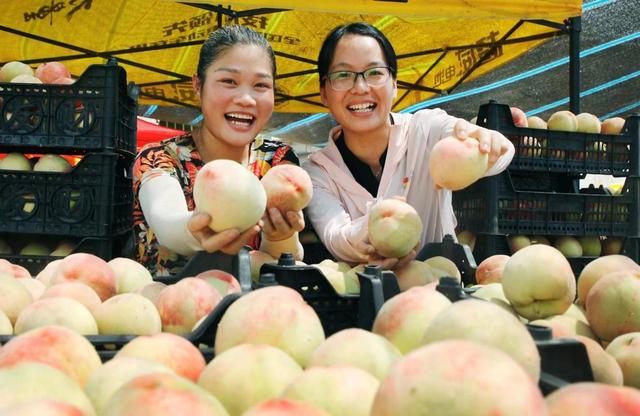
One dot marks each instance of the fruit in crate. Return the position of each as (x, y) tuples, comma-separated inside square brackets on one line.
[(5, 324), (13, 270), (518, 242), (12, 69), (578, 399), (284, 407), (63, 249), (467, 237), (591, 245), (74, 290), (230, 194), (258, 315), (519, 117), (563, 121), (43, 407), (612, 125), (626, 350), (605, 368), (486, 381), (395, 228), (600, 267), (35, 287), (455, 164), (35, 249), (404, 318), (257, 258), (13, 297), (568, 246), (130, 275), (88, 269), (15, 161), (340, 390), (611, 305), (52, 71), (26, 79), (151, 291), (288, 188), (357, 348), (57, 311), (270, 370), (224, 282), (588, 123), (612, 245), (114, 316), (539, 239), (490, 269), (539, 282), (536, 122), (22, 384), (52, 163), (493, 293)]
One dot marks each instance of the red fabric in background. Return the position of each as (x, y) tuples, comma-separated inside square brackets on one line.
[(152, 133)]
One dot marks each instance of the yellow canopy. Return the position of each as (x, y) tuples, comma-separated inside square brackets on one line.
[(440, 43)]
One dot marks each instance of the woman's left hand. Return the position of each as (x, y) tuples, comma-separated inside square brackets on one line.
[(279, 227), (491, 141)]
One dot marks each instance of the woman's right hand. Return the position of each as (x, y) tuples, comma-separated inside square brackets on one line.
[(386, 263), (228, 241)]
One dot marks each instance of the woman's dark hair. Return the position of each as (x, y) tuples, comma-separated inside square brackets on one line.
[(330, 43), (224, 38)]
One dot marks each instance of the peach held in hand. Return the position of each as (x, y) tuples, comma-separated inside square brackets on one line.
[(455, 164), (288, 188), (394, 228)]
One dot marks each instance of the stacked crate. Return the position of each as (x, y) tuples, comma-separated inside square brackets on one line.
[(538, 193), (93, 119)]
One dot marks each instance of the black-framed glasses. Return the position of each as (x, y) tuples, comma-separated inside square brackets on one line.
[(345, 80)]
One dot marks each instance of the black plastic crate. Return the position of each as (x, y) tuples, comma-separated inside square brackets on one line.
[(106, 248), (94, 113), (459, 254), (538, 150), (493, 206), (336, 311), (94, 199)]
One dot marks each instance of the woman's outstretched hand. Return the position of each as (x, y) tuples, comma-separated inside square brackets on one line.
[(387, 263), (228, 241), (491, 141), (278, 227)]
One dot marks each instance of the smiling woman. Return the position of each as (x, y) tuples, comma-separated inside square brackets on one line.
[(235, 84), (375, 154)]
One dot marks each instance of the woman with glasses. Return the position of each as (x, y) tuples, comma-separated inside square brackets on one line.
[(374, 154)]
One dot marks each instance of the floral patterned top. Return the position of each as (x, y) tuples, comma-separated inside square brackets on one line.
[(180, 158)]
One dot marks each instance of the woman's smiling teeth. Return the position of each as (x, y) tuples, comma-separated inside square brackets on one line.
[(361, 108), (240, 119)]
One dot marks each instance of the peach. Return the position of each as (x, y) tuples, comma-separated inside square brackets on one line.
[(257, 258), (490, 269), (42, 407), (13, 270), (539, 239), (588, 123), (591, 246), (284, 407), (557, 329), (108, 378), (339, 390), (351, 280), (173, 351), (26, 79), (35, 287), (563, 121), (458, 377), (52, 163), (35, 249), (455, 164), (15, 161), (128, 314), (51, 71), (420, 273), (151, 291), (14, 297), (64, 81), (222, 281), (576, 311), (600, 267), (612, 245), (162, 394), (222, 187), (604, 367), (356, 347), (47, 273), (519, 117), (336, 278), (535, 122), (74, 290), (568, 246), (270, 370), (63, 249), (538, 282), (404, 318), (88, 269), (518, 242), (27, 382), (494, 293), (181, 305), (288, 188), (12, 69), (612, 305), (5, 324), (130, 275), (395, 228), (56, 346), (61, 311), (613, 125), (460, 320), (573, 326), (579, 399), (626, 351), (276, 316)]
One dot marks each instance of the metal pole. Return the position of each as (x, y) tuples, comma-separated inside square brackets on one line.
[(575, 26)]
